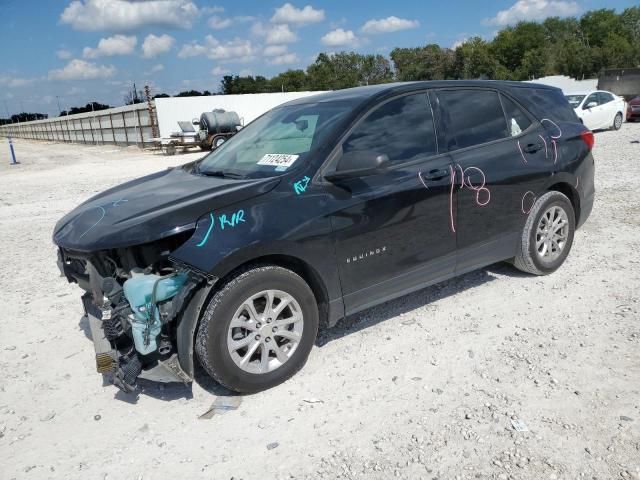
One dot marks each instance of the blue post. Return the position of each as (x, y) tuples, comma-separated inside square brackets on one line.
[(13, 153)]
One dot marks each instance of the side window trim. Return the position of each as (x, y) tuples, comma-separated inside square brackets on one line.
[(330, 163)]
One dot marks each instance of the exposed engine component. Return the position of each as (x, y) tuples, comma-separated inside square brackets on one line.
[(129, 367), (144, 292)]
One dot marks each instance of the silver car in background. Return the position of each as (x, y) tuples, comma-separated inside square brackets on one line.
[(598, 109)]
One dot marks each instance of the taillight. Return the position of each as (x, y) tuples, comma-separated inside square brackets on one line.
[(588, 138)]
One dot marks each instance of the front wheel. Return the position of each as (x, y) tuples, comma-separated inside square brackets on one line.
[(617, 121), (258, 329), (547, 235)]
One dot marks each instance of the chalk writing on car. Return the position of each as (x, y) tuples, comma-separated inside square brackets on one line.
[(225, 221), (301, 185)]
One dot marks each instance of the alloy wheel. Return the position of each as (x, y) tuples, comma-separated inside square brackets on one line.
[(552, 233), (265, 331)]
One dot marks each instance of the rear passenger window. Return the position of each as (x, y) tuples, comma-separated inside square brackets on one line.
[(472, 117), (401, 128), (605, 97), (517, 121)]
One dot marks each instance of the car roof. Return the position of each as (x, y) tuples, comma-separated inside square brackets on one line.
[(361, 95)]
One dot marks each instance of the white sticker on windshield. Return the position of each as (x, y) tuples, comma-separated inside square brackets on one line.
[(278, 160)]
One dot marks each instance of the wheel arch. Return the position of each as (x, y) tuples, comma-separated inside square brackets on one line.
[(571, 193)]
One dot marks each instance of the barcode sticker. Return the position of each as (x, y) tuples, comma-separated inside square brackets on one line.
[(278, 160)]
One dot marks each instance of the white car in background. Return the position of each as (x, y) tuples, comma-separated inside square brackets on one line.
[(598, 109)]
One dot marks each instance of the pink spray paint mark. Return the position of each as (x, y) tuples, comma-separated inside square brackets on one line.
[(546, 150), (521, 152), (422, 180), (559, 133), (478, 189), (532, 202), (453, 181)]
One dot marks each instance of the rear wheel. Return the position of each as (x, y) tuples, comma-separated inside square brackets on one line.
[(617, 121), (258, 330), (217, 141), (547, 235)]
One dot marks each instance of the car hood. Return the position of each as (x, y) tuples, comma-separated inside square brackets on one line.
[(149, 208)]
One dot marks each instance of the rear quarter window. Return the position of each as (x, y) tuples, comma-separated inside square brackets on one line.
[(546, 103)]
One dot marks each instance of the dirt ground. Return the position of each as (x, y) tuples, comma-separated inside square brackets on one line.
[(425, 386)]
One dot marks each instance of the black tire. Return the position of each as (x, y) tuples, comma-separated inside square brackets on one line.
[(617, 121), (211, 339), (527, 258), (205, 146), (218, 141)]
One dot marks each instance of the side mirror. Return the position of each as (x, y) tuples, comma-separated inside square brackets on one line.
[(358, 164), (195, 121), (591, 105)]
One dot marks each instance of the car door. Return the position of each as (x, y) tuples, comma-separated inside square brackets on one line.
[(592, 117), (609, 109), (391, 228), (500, 162)]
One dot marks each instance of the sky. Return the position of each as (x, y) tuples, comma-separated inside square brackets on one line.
[(73, 52)]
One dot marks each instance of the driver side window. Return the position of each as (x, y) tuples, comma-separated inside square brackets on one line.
[(593, 98), (402, 129)]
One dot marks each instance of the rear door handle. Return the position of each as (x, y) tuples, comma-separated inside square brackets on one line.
[(435, 174), (532, 147)]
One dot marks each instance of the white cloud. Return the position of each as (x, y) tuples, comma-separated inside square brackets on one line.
[(534, 10), (82, 70), (285, 59), (108, 47), (8, 81), (458, 43), (274, 50), (287, 13), (156, 68), (211, 10), (220, 71), (236, 50), (218, 23), (63, 54), (274, 34), (339, 38), (389, 24), (154, 45), (122, 15)]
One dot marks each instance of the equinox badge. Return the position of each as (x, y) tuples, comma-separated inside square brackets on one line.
[(367, 254)]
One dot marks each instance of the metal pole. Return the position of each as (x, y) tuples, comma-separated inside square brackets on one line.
[(100, 128), (93, 140), (113, 132), (124, 124), (13, 153), (84, 140), (140, 127)]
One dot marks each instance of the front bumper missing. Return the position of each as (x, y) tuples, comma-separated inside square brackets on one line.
[(107, 357)]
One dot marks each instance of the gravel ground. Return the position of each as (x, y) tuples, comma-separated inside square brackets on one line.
[(425, 386)]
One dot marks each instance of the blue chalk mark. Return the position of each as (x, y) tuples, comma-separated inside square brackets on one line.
[(206, 236), (235, 219), (99, 220), (301, 185), (118, 202)]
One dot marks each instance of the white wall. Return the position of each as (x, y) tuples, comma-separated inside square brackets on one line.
[(248, 107), (568, 84)]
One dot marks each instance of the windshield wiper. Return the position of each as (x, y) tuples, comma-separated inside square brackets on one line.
[(220, 173)]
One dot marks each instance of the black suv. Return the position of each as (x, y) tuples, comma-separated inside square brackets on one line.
[(320, 208)]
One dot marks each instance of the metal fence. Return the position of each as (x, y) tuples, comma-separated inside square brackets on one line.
[(129, 125)]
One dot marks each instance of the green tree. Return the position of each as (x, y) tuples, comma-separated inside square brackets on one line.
[(430, 62), (473, 59), (290, 81), (597, 25)]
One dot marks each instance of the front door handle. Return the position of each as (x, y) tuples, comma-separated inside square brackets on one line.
[(435, 174)]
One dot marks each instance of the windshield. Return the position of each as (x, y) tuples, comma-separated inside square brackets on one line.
[(574, 100), (282, 139)]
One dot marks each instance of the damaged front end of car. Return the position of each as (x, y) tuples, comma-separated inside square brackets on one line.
[(135, 313), (139, 304)]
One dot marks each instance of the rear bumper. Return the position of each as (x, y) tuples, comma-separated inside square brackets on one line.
[(586, 205)]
